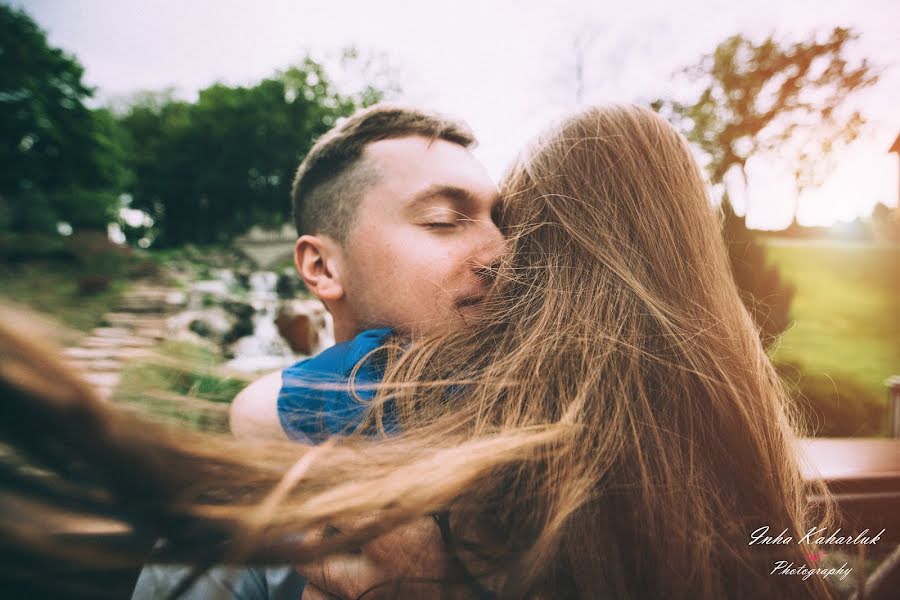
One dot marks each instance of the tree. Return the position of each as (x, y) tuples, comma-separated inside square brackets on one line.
[(206, 171), (61, 160), (764, 292), (762, 98), (758, 98), (885, 223)]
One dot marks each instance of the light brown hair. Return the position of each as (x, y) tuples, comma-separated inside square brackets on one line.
[(609, 427), (333, 177), (615, 321)]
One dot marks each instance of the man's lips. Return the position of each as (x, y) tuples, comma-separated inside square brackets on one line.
[(469, 301)]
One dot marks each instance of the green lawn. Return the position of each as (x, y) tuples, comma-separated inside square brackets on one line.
[(183, 384), (846, 310), (51, 287)]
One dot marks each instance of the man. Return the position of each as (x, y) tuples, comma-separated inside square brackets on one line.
[(396, 226)]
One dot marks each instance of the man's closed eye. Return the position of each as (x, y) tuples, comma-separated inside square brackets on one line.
[(441, 225)]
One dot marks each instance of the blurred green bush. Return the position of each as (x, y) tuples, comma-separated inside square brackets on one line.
[(835, 405)]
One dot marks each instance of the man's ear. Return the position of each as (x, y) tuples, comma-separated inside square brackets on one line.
[(319, 261)]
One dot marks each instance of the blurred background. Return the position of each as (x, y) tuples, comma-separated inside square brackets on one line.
[(148, 150)]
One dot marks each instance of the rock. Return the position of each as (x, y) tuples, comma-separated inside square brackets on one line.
[(128, 333), (176, 299), (286, 285), (142, 303), (101, 365), (209, 324), (207, 293), (102, 380), (95, 353), (129, 320), (189, 337), (111, 332), (242, 278), (154, 333), (213, 287), (300, 323), (241, 310), (242, 327), (201, 328), (119, 342), (298, 332)]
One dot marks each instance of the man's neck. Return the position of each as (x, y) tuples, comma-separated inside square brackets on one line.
[(344, 332)]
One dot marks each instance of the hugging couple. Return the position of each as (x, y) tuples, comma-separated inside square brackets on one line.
[(547, 390)]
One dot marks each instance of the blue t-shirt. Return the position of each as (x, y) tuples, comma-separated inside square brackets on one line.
[(315, 400)]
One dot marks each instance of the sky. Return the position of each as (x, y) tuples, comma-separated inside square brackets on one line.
[(504, 66)]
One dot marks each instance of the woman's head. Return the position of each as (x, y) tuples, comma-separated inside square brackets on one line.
[(616, 194), (614, 320)]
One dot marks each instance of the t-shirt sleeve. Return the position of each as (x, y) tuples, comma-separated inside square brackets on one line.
[(302, 401), (315, 399)]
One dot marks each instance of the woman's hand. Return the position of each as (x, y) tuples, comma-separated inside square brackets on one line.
[(408, 562)]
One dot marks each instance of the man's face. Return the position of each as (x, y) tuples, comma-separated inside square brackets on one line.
[(421, 237)]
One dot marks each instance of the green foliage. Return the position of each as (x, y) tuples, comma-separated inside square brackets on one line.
[(767, 97), (181, 386), (201, 384), (885, 223), (51, 287), (764, 97), (23, 247), (844, 310), (764, 292), (206, 170), (834, 406), (843, 343), (60, 160)]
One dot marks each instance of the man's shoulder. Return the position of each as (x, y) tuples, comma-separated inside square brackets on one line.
[(317, 397), (254, 412), (339, 360), (258, 410)]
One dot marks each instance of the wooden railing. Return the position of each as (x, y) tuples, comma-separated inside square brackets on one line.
[(864, 476)]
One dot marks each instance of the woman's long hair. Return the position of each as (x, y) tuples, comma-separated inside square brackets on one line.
[(609, 427), (615, 313)]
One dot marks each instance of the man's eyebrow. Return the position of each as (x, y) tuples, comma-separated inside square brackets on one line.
[(458, 195)]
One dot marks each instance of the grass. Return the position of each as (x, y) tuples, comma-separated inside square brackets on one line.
[(845, 340), (182, 385), (846, 311), (51, 287)]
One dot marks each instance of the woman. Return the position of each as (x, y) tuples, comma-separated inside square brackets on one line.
[(609, 427)]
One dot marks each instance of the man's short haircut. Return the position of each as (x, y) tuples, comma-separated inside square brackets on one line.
[(332, 178)]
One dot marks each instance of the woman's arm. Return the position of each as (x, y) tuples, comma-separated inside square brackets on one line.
[(406, 562)]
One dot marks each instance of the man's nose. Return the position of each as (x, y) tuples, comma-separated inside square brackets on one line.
[(491, 246)]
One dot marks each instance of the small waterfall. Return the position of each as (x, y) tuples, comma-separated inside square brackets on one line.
[(265, 348), (262, 285), (243, 307)]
